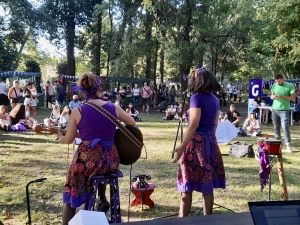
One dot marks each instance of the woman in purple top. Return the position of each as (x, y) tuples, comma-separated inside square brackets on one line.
[(97, 153), (201, 165)]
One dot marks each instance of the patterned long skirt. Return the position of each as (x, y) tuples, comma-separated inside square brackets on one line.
[(86, 163), (201, 166)]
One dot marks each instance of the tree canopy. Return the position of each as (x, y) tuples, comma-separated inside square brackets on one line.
[(158, 39)]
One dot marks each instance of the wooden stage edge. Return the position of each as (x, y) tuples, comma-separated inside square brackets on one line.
[(214, 219)]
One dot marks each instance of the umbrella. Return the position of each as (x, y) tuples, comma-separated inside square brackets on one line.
[(225, 132)]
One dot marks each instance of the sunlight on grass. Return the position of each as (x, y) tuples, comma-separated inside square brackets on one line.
[(27, 156)]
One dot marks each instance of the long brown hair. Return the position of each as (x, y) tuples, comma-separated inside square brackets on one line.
[(203, 81), (18, 112)]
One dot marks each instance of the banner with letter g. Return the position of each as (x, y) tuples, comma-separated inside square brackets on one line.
[(255, 89)]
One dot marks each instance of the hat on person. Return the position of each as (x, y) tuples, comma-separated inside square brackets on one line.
[(252, 112), (29, 83)]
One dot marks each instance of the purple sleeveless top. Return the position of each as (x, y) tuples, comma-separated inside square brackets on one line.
[(95, 125)]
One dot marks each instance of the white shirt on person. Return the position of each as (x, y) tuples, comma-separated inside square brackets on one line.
[(64, 118), (136, 91), (3, 88)]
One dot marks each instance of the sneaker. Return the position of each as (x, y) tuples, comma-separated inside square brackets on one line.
[(289, 149), (102, 204)]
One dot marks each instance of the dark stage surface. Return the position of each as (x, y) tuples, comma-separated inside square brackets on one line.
[(215, 219)]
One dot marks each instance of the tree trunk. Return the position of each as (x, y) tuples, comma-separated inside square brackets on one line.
[(70, 39), (161, 65), (97, 42), (155, 58), (110, 41), (162, 58), (25, 39), (187, 59), (148, 37)]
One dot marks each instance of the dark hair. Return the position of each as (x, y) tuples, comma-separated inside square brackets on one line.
[(18, 112), (70, 110), (278, 76), (3, 78), (254, 115), (203, 81), (256, 99), (132, 108)]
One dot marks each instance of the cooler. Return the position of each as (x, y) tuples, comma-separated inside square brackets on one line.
[(272, 146)]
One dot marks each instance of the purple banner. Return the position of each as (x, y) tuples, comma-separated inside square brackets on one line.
[(255, 88)]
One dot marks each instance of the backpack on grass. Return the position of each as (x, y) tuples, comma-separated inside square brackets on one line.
[(240, 149)]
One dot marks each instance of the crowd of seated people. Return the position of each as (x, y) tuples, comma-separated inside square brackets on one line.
[(60, 116)]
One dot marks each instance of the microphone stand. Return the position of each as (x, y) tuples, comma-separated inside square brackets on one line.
[(27, 197), (179, 126)]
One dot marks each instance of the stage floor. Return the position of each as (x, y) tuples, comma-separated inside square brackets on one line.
[(215, 219)]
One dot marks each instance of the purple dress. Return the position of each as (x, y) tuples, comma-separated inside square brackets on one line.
[(201, 165), (96, 154)]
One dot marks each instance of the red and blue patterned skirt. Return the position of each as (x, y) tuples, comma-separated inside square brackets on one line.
[(201, 165), (86, 163)]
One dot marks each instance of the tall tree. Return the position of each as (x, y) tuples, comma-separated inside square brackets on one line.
[(64, 17)]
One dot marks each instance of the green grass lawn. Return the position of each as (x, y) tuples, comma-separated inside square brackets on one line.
[(27, 156)]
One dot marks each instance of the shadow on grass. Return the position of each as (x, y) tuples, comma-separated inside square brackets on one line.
[(24, 139)]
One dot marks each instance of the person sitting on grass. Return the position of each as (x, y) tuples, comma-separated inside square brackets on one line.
[(170, 113), (64, 117), (133, 112), (180, 113), (252, 125), (17, 115), (75, 102), (4, 119), (233, 116), (55, 115)]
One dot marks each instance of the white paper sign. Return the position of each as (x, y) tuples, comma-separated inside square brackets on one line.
[(225, 132), (84, 217)]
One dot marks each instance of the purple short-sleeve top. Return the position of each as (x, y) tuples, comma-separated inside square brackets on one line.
[(210, 106), (95, 125)]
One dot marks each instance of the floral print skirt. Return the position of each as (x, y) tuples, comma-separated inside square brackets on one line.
[(86, 163), (201, 165)]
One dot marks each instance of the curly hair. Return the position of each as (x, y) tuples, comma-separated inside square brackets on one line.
[(18, 112), (203, 81)]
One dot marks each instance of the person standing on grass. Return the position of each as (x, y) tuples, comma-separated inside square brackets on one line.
[(282, 93), (146, 94), (136, 96), (49, 93), (4, 94), (201, 165), (14, 94), (61, 91)]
